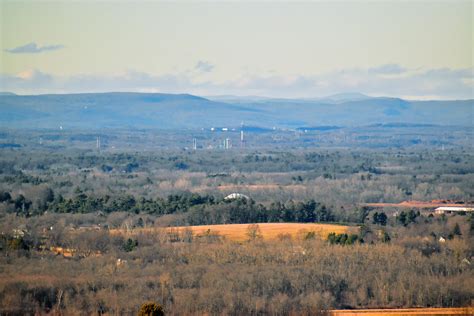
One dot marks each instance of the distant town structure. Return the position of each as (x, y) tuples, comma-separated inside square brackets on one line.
[(227, 143), (194, 144)]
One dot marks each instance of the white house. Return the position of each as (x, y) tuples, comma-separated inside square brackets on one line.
[(234, 196)]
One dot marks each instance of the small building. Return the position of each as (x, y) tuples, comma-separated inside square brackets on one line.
[(89, 227), (19, 233), (234, 196), (452, 209)]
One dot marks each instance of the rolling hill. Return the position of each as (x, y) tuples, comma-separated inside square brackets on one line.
[(184, 111)]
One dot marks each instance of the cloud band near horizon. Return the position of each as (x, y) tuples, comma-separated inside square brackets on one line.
[(386, 80)]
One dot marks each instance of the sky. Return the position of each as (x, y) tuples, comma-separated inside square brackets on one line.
[(414, 50)]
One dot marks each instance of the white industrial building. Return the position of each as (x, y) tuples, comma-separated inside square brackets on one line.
[(452, 209)]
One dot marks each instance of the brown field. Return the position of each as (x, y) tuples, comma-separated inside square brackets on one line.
[(405, 312), (268, 231)]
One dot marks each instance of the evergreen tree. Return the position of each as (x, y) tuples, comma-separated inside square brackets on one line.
[(386, 237), (457, 230), (402, 218)]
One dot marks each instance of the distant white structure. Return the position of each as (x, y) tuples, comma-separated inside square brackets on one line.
[(451, 209), (227, 143), (194, 143), (235, 196)]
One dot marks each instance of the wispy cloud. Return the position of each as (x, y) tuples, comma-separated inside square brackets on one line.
[(385, 80), (203, 66), (33, 48), (388, 69)]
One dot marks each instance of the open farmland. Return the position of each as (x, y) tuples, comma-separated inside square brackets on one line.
[(267, 231), (270, 231)]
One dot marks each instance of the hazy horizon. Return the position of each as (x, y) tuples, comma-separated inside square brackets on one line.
[(236, 96)]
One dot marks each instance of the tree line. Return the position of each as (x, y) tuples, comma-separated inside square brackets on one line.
[(195, 209)]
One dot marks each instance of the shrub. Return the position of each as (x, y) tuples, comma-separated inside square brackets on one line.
[(310, 235), (342, 239), (151, 309), (254, 232), (5, 197)]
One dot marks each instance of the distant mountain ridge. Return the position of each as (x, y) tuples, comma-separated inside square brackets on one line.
[(335, 98), (185, 111)]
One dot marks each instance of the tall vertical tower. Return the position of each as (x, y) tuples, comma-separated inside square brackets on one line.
[(98, 143), (242, 134), (194, 143)]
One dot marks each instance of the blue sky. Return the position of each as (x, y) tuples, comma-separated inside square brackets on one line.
[(418, 50)]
